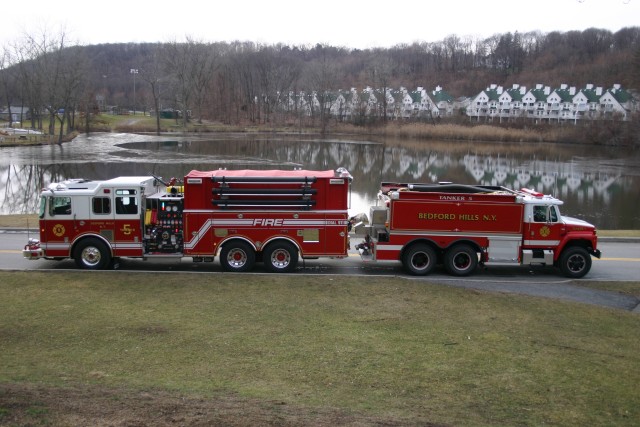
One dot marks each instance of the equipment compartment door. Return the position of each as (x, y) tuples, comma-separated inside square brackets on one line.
[(336, 234)]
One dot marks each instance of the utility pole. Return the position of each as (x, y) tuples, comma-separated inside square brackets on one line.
[(134, 71)]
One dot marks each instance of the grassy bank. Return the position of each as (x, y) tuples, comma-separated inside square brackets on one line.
[(397, 130), (484, 132), (383, 347), (451, 129)]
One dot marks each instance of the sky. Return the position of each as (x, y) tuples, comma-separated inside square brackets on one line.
[(345, 23)]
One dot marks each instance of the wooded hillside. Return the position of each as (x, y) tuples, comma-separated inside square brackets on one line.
[(237, 81)]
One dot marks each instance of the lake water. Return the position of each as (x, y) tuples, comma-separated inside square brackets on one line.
[(598, 184)]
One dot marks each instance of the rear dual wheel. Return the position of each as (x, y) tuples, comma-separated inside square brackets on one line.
[(460, 260), (419, 259), (280, 257), (237, 257)]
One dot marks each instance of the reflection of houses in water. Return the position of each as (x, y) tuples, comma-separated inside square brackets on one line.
[(432, 165), (574, 181), (409, 166), (558, 178)]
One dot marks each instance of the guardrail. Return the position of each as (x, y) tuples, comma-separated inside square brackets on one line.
[(26, 139)]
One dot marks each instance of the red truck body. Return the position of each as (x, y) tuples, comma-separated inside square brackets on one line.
[(460, 226)]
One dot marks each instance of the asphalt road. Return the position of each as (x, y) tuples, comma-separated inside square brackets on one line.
[(620, 262)]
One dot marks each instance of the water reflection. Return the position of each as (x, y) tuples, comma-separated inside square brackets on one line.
[(599, 185)]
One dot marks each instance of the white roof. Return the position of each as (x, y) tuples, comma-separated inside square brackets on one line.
[(80, 186)]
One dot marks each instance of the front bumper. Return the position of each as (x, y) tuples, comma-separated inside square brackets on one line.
[(32, 250)]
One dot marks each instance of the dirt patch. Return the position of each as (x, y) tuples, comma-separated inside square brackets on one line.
[(30, 405)]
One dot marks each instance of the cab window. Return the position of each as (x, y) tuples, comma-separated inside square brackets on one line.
[(545, 214), (126, 202), (101, 205), (59, 206)]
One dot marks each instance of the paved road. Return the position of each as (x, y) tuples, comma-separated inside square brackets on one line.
[(620, 262)]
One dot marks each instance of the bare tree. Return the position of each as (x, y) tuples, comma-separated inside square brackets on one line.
[(322, 75), (204, 68), (30, 79), (191, 67), (8, 86), (58, 72), (178, 58), (151, 72), (276, 74), (380, 72)]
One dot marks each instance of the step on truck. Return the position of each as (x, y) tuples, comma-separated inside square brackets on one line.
[(462, 226)]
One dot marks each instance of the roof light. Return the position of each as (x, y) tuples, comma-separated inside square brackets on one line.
[(532, 193)]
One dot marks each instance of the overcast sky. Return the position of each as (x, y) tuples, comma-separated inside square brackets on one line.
[(348, 23)]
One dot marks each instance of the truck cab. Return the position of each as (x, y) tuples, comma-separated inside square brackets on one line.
[(553, 239), (92, 222)]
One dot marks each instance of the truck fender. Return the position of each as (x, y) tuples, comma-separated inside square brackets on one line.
[(288, 239), (573, 241), (416, 241), (78, 239), (230, 238), (475, 245)]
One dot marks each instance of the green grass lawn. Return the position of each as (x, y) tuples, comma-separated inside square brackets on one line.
[(388, 347)]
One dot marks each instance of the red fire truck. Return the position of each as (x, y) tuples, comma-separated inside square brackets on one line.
[(460, 226), (277, 217)]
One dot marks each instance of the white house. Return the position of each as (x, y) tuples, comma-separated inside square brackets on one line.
[(442, 101), (617, 101), (485, 104)]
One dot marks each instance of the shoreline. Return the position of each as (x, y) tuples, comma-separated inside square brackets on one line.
[(450, 129)]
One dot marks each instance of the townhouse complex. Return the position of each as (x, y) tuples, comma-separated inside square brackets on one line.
[(392, 103), (540, 103), (553, 104)]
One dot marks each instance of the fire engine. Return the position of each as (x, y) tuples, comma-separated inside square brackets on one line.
[(461, 226), (242, 216), (277, 217)]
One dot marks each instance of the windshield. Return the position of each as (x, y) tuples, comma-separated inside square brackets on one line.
[(43, 204)]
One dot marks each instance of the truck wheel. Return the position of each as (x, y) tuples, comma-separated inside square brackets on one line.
[(575, 262), (280, 257), (419, 259), (460, 260), (237, 256), (92, 254)]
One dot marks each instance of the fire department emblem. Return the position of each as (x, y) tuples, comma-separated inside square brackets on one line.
[(545, 231), (58, 230)]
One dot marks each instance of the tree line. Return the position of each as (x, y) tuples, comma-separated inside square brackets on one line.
[(236, 82)]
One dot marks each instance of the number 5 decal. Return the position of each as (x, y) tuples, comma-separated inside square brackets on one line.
[(126, 229)]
